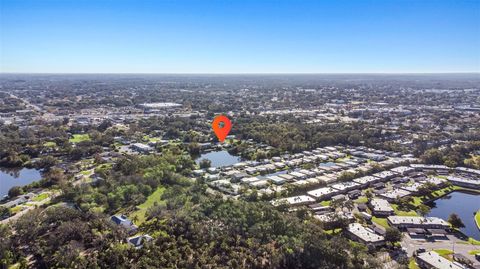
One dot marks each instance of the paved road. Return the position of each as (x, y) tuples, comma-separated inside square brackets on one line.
[(453, 243)]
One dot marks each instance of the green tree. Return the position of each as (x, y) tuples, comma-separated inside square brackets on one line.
[(205, 163), (393, 235), (423, 209), (455, 221), (15, 191)]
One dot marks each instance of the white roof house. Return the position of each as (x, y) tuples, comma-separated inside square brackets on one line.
[(394, 194), (364, 235), (248, 180), (321, 193), (462, 181), (402, 170), (435, 180), (277, 180), (413, 187), (468, 170), (417, 222), (298, 175), (432, 259), (380, 206), (345, 186), (384, 175), (295, 200), (366, 180)]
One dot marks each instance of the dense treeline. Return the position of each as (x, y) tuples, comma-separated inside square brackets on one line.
[(452, 156), (289, 134)]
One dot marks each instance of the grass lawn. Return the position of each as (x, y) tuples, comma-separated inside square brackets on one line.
[(361, 200), (77, 138), (473, 252), (473, 241), (16, 209), (151, 139), (417, 201), (326, 203), (50, 144), (86, 172), (40, 197), (105, 166), (142, 209), (403, 213), (333, 231), (444, 253), (14, 266), (412, 264), (381, 221)]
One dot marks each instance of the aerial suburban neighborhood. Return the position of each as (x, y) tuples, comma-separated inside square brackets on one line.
[(375, 165)]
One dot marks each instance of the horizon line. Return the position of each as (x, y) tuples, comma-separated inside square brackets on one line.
[(238, 73)]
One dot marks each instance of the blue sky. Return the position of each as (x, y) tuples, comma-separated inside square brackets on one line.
[(244, 36)]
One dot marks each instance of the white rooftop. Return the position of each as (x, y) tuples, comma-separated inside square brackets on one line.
[(363, 233), (321, 192), (436, 261)]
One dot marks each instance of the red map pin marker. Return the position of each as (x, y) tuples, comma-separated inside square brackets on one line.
[(221, 131)]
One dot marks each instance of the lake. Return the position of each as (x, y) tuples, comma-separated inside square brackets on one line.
[(463, 204), (219, 158), (22, 177)]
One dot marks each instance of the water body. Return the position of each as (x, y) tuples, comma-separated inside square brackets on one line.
[(463, 204), (219, 158), (22, 177)]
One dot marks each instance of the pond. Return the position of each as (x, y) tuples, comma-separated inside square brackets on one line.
[(464, 204), (22, 177), (219, 158)]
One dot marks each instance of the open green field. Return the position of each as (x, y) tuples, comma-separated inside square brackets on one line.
[(16, 209), (326, 203), (77, 138), (473, 241), (156, 196), (381, 221), (50, 144), (40, 197), (403, 213), (361, 200), (446, 253), (151, 139), (412, 264), (333, 231)]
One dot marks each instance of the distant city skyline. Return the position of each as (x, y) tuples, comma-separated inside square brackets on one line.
[(215, 36)]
